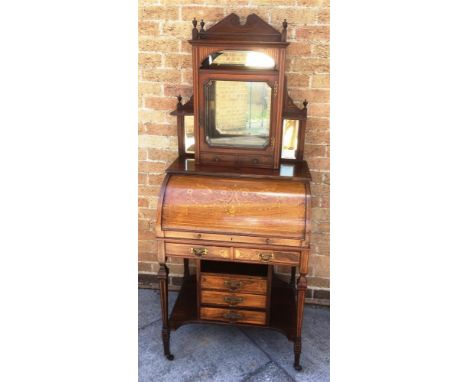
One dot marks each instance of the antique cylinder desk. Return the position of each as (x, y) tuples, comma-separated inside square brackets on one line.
[(236, 203)]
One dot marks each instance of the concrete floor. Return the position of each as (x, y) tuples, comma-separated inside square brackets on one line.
[(228, 354)]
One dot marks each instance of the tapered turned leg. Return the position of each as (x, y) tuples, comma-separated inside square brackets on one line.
[(163, 276), (301, 291), (186, 269), (292, 282)]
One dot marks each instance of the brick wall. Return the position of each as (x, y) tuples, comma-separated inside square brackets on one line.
[(165, 71)]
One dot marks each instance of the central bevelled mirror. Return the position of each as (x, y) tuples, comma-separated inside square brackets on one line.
[(237, 113)]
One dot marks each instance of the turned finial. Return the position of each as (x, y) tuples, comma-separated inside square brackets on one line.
[(305, 103), (179, 101), (194, 30), (202, 24), (283, 32)]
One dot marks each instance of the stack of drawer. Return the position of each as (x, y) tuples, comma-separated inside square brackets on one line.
[(233, 298)]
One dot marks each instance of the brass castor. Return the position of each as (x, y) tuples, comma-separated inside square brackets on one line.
[(298, 367), (170, 357)]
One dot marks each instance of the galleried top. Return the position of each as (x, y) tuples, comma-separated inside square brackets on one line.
[(231, 29)]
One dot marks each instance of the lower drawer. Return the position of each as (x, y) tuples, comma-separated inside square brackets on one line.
[(242, 300), (232, 283), (231, 315)]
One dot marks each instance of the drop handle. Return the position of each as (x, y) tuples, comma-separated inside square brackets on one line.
[(199, 251), (265, 256), (232, 316), (233, 300), (232, 285)]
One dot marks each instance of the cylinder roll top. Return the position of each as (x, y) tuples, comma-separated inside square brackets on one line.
[(257, 207)]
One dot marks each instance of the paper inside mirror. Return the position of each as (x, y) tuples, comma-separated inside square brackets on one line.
[(189, 136), (290, 139), (238, 59)]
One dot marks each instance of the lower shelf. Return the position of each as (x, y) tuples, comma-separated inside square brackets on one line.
[(282, 313)]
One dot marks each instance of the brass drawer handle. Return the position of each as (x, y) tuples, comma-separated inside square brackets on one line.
[(233, 300), (232, 316), (265, 256), (232, 285), (199, 251)]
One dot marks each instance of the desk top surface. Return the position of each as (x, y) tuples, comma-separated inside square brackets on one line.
[(289, 170)]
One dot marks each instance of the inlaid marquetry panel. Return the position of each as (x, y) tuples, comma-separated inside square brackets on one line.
[(260, 207)]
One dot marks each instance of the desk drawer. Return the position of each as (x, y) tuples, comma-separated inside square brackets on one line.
[(267, 256), (233, 315), (232, 283), (198, 251), (243, 300)]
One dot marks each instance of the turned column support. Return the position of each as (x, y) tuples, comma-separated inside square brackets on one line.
[(163, 276), (301, 291)]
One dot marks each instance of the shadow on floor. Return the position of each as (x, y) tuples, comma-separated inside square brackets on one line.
[(228, 354)]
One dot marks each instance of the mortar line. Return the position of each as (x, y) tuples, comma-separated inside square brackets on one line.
[(268, 355), (255, 372), (147, 325)]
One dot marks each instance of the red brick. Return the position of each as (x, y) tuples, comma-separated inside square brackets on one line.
[(321, 81), (160, 103), (319, 282), (187, 77), (316, 32), (311, 3), (148, 256), (151, 191), (142, 154), (148, 28), (143, 224), (179, 29), (233, 2), (158, 154), (213, 14), (297, 80), (145, 267), (317, 136), (299, 48), (155, 180), (314, 150), (321, 214), (151, 128), (158, 44), (321, 51), (318, 110), (151, 167), (178, 61), (142, 179), (158, 13), (295, 16), (320, 266), (146, 235), (312, 65), (142, 202), (175, 90), (146, 213), (324, 16), (149, 60), (312, 96), (161, 75)]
